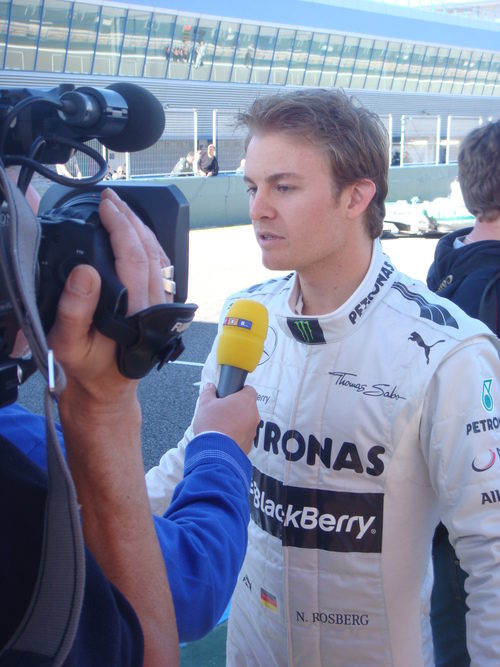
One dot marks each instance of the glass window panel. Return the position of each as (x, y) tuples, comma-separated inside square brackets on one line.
[(109, 41), (316, 59), (391, 60), (449, 76), (428, 64), (362, 63), (376, 63), (23, 34), (204, 48), (4, 18), (440, 67), (299, 58), (82, 38), (478, 88), (182, 47), (282, 55), (415, 68), (332, 60), (135, 43), (419, 139), (245, 53), (484, 66), (483, 69), (224, 51), (402, 66), (263, 55), (160, 45), (463, 64), (53, 36), (492, 76), (472, 73), (347, 60)]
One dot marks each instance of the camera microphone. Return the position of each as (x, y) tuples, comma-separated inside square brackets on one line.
[(241, 344), (123, 116)]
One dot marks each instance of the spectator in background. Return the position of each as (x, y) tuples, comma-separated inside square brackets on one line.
[(249, 56), (208, 165), (185, 165), (70, 170), (197, 170), (466, 270), (241, 168), (109, 174), (119, 173), (200, 54)]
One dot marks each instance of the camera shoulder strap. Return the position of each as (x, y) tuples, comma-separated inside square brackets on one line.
[(46, 633)]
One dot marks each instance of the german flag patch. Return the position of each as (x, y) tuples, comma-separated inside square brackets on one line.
[(268, 600)]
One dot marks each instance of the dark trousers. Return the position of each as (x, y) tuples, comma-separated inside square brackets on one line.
[(448, 606)]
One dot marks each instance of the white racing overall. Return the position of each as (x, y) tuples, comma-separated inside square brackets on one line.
[(376, 420)]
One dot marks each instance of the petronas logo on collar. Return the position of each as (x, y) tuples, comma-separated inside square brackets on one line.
[(306, 330)]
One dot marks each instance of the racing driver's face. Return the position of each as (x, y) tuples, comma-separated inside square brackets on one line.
[(298, 220)]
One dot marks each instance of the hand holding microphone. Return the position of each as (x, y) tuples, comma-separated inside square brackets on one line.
[(239, 350), (236, 415), (241, 344)]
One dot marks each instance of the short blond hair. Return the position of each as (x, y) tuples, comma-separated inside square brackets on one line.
[(353, 139)]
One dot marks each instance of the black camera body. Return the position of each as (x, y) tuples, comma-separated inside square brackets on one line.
[(40, 126), (72, 234)]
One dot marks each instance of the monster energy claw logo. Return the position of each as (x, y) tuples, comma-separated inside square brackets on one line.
[(306, 331), (487, 397)]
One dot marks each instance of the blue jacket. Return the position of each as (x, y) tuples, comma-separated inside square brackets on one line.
[(203, 534), (462, 274)]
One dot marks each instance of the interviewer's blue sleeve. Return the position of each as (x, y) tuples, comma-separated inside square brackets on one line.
[(26, 430), (203, 534)]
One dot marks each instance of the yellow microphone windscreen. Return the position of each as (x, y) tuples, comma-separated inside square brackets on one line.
[(244, 331)]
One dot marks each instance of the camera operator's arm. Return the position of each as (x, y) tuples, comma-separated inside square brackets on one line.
[(101, 421)]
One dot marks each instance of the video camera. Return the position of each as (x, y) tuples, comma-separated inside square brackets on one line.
[(40, 127)]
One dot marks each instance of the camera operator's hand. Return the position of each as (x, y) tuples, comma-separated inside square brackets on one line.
[(87, 356), (101, 420), (235, 415)]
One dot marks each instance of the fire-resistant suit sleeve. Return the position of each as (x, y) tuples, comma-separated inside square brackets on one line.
[(460, 435)]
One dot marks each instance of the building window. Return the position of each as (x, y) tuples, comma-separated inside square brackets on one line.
[(23, 34), (159, 46)]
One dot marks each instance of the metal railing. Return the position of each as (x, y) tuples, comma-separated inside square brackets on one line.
[(424, 140)]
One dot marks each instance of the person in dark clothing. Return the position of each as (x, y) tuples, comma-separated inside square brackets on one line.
[(208, 165), (128, 615), (466, 270), (463, 269)]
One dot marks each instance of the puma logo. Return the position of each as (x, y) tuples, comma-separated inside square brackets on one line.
[(421, 343)]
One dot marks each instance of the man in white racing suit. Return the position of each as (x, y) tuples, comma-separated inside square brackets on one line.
[(380, 415)]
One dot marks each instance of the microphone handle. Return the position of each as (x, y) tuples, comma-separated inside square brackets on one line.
[(231, 380)]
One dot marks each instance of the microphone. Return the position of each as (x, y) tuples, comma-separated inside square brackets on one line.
[(241, 344), (123, 116)]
